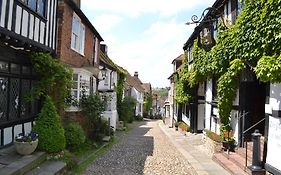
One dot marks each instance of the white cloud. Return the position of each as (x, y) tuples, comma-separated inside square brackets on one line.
[(151, 56), (151, 51), (106, 22), (135, 8)]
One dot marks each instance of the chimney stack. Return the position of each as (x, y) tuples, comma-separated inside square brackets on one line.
[(103, 48), (78, 3), (136, 74)]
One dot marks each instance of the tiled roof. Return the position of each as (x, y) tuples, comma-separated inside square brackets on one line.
[(179, 58), (107, 61), (146, 86), (132, 81)]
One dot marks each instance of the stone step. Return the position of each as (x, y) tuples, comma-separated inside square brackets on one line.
[(228, 164), (13, 164), (49, 168), (237, 159)]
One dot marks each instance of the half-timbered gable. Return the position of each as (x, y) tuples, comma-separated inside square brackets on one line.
[(29, 23)]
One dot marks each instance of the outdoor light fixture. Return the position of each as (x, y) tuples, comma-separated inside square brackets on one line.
[(103, 72), (205, 29)]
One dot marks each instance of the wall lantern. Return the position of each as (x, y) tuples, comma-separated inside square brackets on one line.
[(103, 72), (205, 28)]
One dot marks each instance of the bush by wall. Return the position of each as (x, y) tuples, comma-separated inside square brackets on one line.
[(49, 128), (74, 135)]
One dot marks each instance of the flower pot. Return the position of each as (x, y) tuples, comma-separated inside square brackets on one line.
[(26, 148), (228, 145)]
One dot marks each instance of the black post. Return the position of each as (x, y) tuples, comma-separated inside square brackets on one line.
[(256, 166)]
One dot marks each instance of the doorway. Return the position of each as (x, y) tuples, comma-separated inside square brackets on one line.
[(252, 100)]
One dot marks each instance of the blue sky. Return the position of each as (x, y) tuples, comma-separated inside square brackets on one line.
[(144, 35)]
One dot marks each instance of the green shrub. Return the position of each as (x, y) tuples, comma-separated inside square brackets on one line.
[(49, 128), (128, 109), (138, 118), (92, 106), (74, 135)]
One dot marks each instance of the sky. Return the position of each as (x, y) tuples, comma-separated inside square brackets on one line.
[(144, 35)]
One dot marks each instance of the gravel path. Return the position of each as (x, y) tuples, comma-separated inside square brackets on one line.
[(144, 150)]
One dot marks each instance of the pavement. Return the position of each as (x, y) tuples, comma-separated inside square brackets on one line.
[(192, 148)]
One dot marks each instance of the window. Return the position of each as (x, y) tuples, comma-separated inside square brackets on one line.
[(96, 42), (227, 12), (78, 35), (214, 89), (82, 84), (240, 5), (190, 54), (38, 6)]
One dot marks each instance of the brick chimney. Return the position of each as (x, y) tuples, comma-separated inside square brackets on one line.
[(78, 3), (136, 74), (103, 48)]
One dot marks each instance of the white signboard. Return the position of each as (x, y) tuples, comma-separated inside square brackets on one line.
[(274, 143)]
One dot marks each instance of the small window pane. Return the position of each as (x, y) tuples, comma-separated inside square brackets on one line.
[(15, 68), (75, 85), (75, 77), (4, 66), (26, 70), (75, 25), (32, 4), (82, 39), (41, 7)]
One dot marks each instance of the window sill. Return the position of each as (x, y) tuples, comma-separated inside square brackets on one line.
[(82, 54)]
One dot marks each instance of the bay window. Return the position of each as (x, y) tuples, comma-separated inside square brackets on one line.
[(83, 83)]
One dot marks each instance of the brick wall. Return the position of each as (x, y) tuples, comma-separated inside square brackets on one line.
[(65, 53)]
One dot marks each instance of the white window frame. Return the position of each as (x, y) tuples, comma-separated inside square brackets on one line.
[(78, 37), (83, 81), (96, 42)]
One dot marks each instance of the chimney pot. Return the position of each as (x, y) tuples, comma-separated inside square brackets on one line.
[(136, 74)]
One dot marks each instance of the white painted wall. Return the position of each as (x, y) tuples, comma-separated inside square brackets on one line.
[(109, 82), (274, 128), (208, 106), (201, 116)]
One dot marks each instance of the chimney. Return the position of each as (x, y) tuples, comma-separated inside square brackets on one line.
[(103, 48), (78, 3), (136, 74)]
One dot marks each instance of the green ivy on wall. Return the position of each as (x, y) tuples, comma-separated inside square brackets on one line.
[(55, 79), (182, 88), (119, 92), (254, 39)]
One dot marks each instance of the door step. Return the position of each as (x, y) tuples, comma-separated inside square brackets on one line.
[(50, 168)]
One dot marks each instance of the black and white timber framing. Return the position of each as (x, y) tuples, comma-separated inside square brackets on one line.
[(25, 25)]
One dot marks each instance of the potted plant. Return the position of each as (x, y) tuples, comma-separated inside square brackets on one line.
[(227, 136), (177, 125), (26, 144)]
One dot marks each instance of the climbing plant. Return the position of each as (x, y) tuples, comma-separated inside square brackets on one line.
[(182, 88), (148, 102), (255, 39), (119, 92), (227, 86), (55, 79)]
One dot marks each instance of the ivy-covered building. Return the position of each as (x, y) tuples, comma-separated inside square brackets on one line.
[(232, 85)]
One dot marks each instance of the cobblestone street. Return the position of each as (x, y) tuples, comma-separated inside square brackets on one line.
[(144, 150)]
